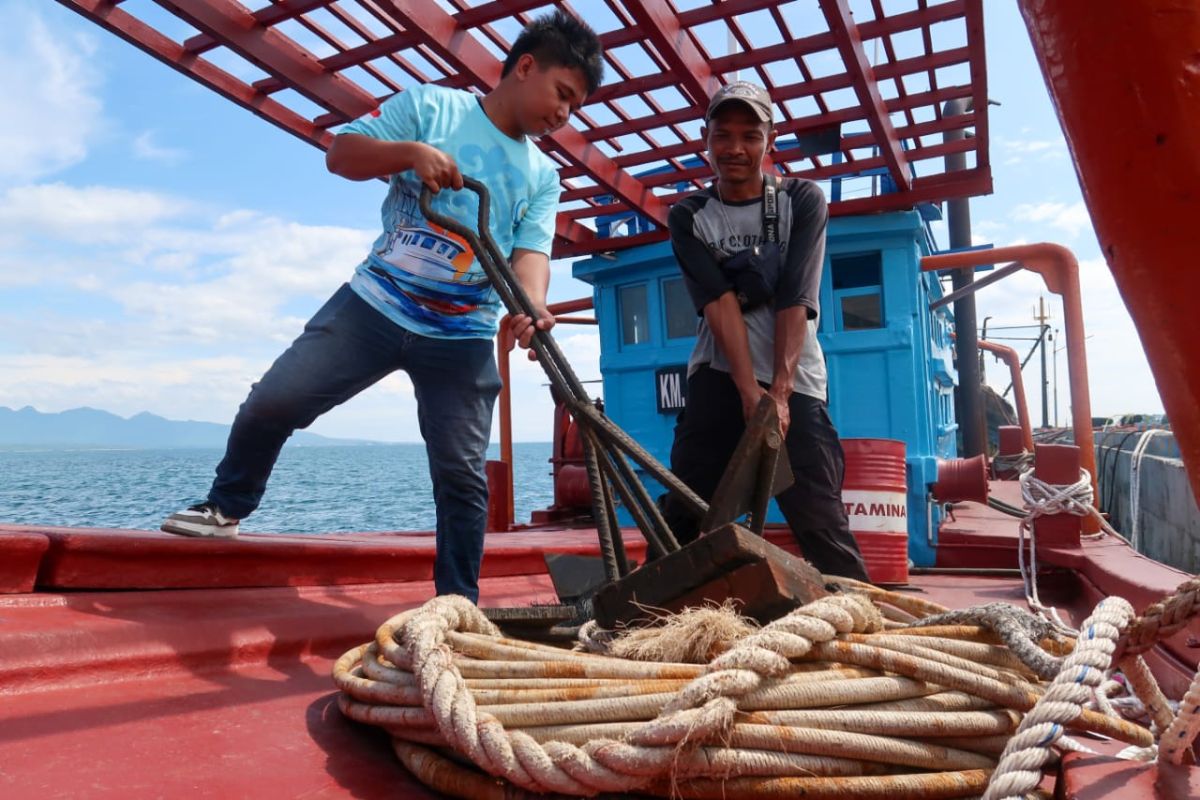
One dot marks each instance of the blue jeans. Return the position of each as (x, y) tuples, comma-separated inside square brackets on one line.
[(346, 347), (706, 435)]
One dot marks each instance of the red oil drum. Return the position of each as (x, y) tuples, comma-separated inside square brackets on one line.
[(875, 493)]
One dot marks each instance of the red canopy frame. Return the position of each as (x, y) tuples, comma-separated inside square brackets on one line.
[(859, 92)]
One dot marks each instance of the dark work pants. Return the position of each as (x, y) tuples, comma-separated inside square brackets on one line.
[(707, 434), (346, 347)]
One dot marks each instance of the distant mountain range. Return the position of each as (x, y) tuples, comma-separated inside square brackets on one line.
[(90, 427)]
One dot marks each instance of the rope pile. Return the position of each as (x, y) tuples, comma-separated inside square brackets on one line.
[(859, 695)]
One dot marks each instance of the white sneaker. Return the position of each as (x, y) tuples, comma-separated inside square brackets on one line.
[(204, 519)]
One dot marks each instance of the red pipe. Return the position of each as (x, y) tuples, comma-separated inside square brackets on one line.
[(1014, 367), (1126, 84), (1059, 269), (504, 345)]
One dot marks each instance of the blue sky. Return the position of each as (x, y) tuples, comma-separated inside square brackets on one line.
[(159, 246)]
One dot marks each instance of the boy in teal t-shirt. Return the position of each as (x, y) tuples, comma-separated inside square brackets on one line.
[(426, 279), (420, 301)]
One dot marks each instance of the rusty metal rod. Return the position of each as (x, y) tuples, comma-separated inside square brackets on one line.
[(557, 368)]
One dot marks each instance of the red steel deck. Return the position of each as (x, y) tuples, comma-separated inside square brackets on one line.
[(220, 688)]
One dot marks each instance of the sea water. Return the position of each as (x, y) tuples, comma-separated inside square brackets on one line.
[(312, 490)]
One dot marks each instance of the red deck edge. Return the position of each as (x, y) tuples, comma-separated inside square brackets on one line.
[(20, 556), (1091, 777), (60, 641), (981, 537), (80, 558), (85, 558)]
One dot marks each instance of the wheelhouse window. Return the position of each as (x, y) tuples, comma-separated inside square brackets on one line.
[(678, 309), (858, 290), (635, 314)]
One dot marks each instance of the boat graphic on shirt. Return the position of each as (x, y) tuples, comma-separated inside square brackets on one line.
[(430, 267), (422, 277)]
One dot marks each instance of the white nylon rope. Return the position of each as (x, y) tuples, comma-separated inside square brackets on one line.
[(1047, 499), (1020, 767), (700, 712)]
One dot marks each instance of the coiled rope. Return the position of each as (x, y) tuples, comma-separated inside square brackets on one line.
[(929, 706), (1160, 621), (1020, 767), (1178, 731)]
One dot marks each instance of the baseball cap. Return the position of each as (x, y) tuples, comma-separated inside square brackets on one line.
[(751, 94)]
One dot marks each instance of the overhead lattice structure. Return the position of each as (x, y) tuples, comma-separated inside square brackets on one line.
[(860, 86)]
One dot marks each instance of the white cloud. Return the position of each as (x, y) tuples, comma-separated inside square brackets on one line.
[(186, 307), (206, 388), (1072, 218), (180, 272), (89, 214), (1119, 375), (1017, 151), (532, 404), (146, 149), (168, 290), (1033, 146), (49, 101)]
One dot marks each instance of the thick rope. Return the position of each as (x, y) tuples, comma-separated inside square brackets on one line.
[(1020, 767), (1016, 462), (1162, 619), (1145, 692), (1175, 745), (1019, 630), (821, 691), (592, 638), (1043, 499), (703, 711)]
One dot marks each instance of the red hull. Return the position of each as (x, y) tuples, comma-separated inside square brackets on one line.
[(215, 683)]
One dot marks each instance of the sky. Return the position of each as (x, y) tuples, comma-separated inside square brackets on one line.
[(160, 246)]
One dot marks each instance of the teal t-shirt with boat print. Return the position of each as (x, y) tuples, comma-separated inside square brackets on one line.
[(422, 277)]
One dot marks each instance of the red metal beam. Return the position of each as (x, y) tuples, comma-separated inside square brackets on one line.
[(485, 13), (837, 13), (930, 189), (598, 245), (809, 88), (978, 79), (725, 10), (813, 122), (625, 88), (704, 171), (447, 39), (964, 183), (444, 35), (124, 25), (230, 22), (660, 25), (276, 12), (274, 84), (572, 231)]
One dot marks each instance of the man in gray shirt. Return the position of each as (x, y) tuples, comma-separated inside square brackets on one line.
[(758, 328)]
